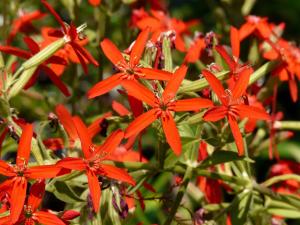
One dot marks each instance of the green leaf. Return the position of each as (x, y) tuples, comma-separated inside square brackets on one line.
[(239, 212), (286, 213), (222, 156), (64, 192), (4, 108)]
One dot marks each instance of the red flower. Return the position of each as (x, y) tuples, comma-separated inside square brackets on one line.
[(163, 107), (95, 2), (34, 49), (31, 214), (128, 70), (195, 50), (159, 22), (20, 173), (255, 25), (232, 104), (289, 66), (233, 61), (67, 52), (285, 167), (23, 23), (92, 161), (71, 34)]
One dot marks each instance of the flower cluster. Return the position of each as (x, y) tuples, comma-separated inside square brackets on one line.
[(204, 130)]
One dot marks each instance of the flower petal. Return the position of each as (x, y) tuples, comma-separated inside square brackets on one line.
[(111, 143), (56, 80), (116, 173), (37, 191), (235, 42), (47, 218), (140, 123), (139, 91), (247, 111), (228, 59), (112, 52), (155, 74), (95, 190), (72, 163), (174, 84), (6, 169), (66, 120), (85, 138), (57, 17), (17, 199), (105, 86), (215, 85), (96, 127), (242, 83), (15, 51), (172, 134), (31, 45), (120, 109), (236, 134), (43, 172), (24, 146), (138, 47), (85, 53), (193, 104), (216, 113)]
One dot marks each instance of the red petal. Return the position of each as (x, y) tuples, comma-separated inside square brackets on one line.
[(215, 85), (47, 218), (66, 120), (228, 59), (172, 134), (174, 84), (242, 83), (155, 74), (85, 138), (112, 52), (57, 60), (245, 30), (57, 17), (140, 123), (116, 173), (235, 42), (17, 199), (193, 104), (195, 51), (95, 190), (31, 45), (216, 113), (139, 91), (6, 169), (247, 111), (179, 44), (236, 134), (105, 86), (70, 214), (85, 53), (120, 109), (293, 89), (135, 105), (95, 2), (95, 127), (138, 47), (43, 172), (80, 57), (15, 51), (37, 191), (24, 145), (56, 80), (111, 143), (72, 163)]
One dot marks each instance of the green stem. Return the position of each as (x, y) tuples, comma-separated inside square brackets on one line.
[(181, 191), (280, 178), (262, 71), (287, 125), (198, 85)]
